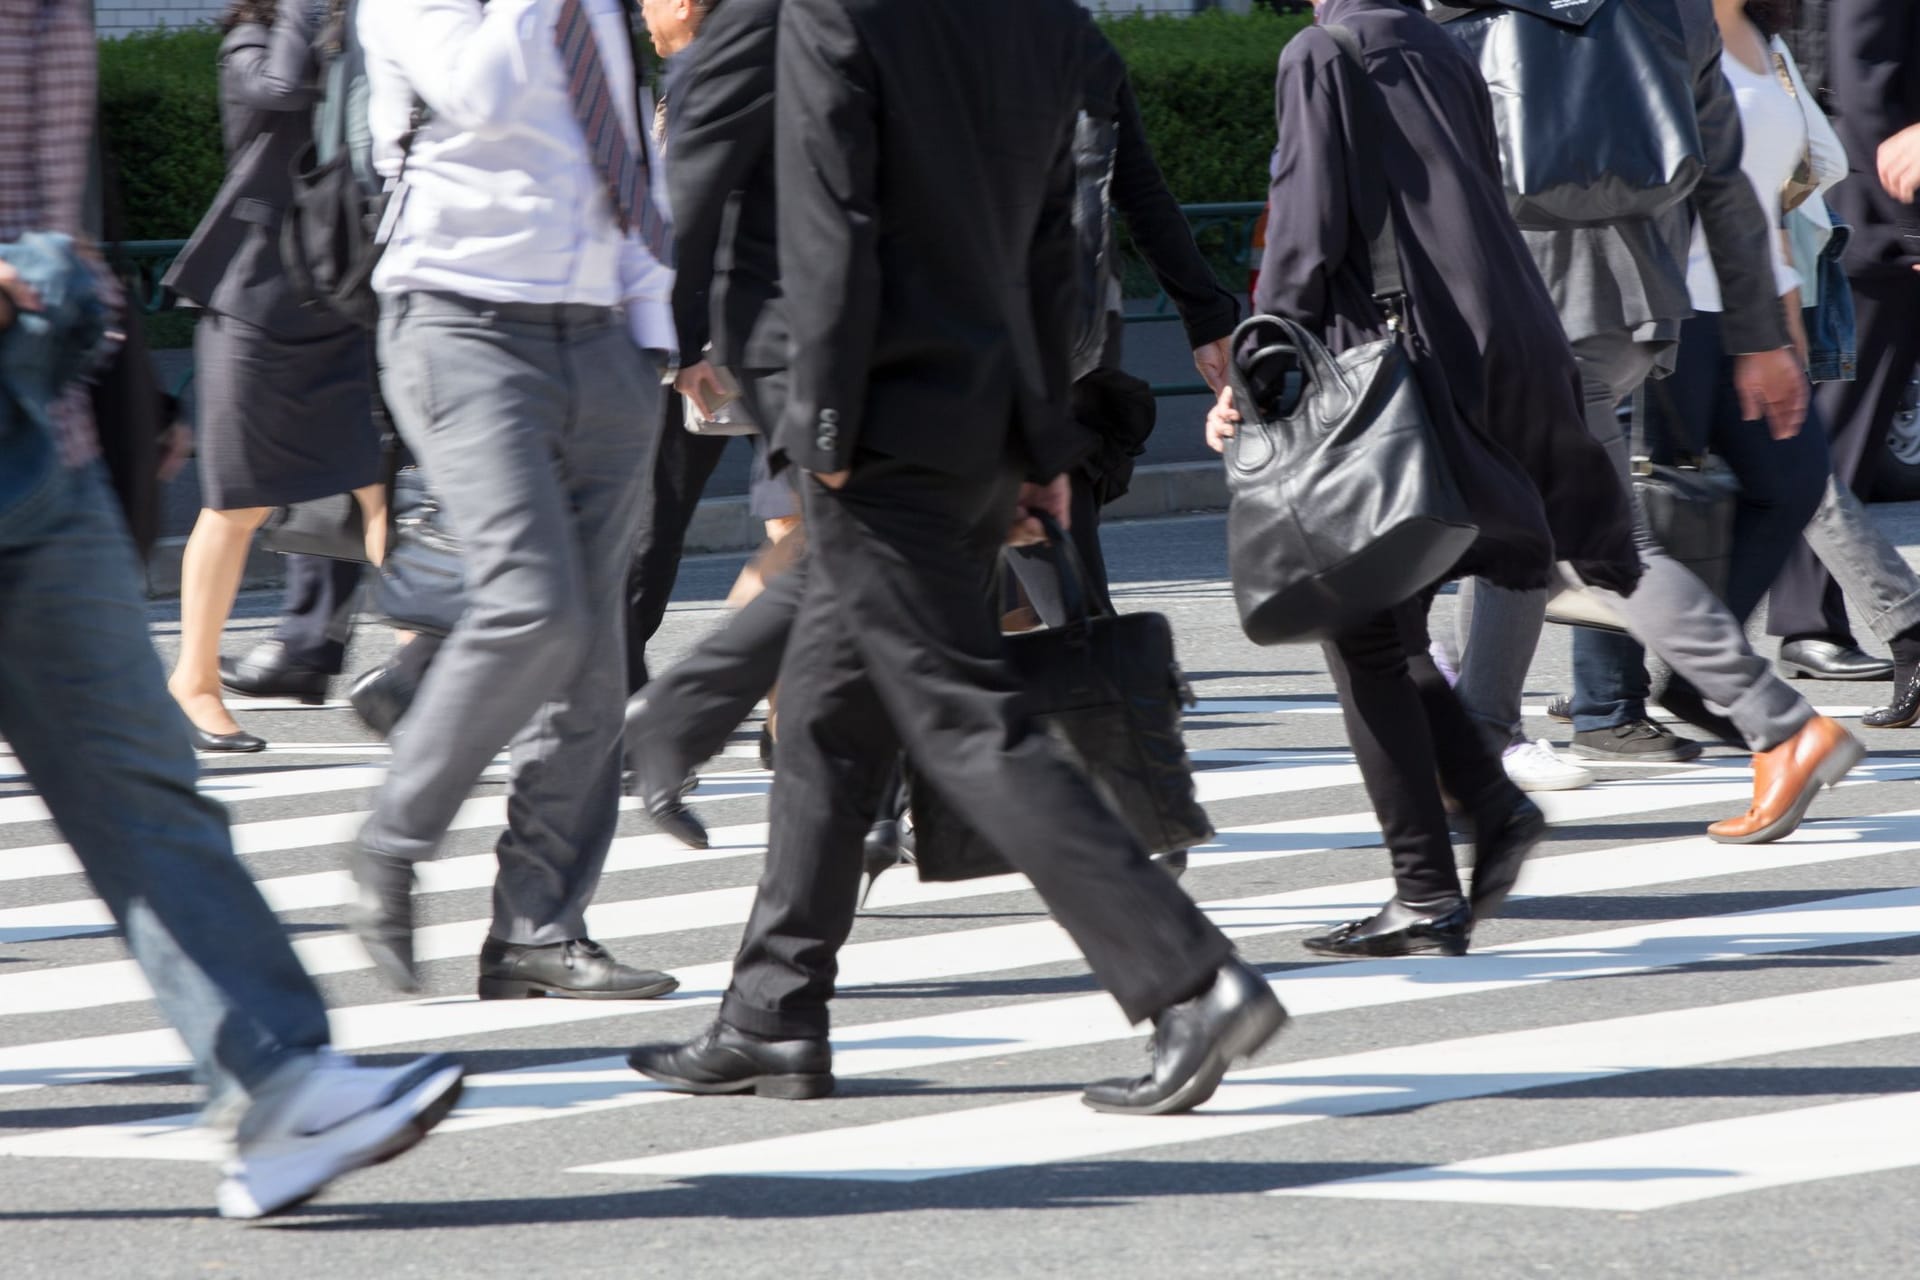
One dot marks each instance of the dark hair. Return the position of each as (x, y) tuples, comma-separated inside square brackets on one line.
[(241, 12), (1773, 17)]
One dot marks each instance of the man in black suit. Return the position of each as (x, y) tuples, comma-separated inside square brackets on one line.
[(721, 180), (928, 401), (1862, 59)]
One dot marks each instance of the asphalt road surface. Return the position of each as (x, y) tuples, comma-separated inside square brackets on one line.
[(1669, 1058)]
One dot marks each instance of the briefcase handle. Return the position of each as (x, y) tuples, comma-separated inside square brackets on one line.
[(1072, 571)]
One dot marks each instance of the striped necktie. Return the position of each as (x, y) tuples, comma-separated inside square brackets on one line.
[(624, 171)]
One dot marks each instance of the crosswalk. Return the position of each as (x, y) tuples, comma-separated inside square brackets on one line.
[(1635, 950)]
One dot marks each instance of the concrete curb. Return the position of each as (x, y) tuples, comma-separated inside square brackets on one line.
[(723, 525)]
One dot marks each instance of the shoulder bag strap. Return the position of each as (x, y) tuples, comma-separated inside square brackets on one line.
[(1388, 283)]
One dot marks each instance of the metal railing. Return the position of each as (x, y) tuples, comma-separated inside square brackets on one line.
[(1223, 231)]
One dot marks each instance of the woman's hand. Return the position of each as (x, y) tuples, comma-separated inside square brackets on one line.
[(1222, 420), (15, 296)]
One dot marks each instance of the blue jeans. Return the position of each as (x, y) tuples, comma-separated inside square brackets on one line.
[(85, 705)]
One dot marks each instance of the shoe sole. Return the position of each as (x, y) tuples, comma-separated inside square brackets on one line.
[(517, 989), (1795, 671), (1570, 782), (799, 1087), (1636, 757), (425, 1105), (1826, 774), (304, 699), (1450, 948), (1252, 1033)]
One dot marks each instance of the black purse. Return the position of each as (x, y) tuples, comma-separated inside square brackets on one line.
[(1342, 503), (331, 526), (1108, 690), (1575, 148), (422, 585)]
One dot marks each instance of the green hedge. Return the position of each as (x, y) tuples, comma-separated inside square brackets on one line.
[(1205, 85), (160, 116)]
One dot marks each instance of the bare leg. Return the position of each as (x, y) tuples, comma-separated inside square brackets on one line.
[(210, 569)]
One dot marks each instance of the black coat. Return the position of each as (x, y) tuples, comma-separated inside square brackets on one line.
[(721, 179), (1488, 342), (928, 258), (1871, 88)]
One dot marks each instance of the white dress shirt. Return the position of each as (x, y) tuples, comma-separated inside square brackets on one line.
[(500, 200)]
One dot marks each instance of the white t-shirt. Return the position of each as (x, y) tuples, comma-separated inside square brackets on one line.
[(1776, 139)]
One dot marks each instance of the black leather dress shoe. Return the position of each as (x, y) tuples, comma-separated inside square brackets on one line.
[(1811, 658), (582, 969), (1194, 1043), (1401, 929), (1902, 711), (659, 777), (267, 672), (382, 915), (239, 743), (381, 696), (723, 1060), (1501, 844)]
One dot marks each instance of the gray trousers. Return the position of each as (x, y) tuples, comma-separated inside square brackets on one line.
[(1672, 612), (1868, 568), (535, 424)]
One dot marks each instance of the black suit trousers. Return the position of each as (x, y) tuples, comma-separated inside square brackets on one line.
[(316, 620), (1806, 601), (897, 645), (682, 465)]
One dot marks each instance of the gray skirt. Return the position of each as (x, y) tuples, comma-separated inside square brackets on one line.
[(282, 420)]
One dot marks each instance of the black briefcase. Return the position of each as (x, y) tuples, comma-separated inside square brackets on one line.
[(331, 526), (1108, 690), (422, 585)]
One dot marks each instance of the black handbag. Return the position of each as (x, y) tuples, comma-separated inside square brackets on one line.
[(1593, 106), (1341, 501), (1106, 687), (422, 585), (331, 526), (1690, 506)]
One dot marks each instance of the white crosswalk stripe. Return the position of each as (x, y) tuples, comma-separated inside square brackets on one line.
[(1296, 851)]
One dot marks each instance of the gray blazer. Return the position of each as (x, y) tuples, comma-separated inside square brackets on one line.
[(1633, 276), (268, 88)]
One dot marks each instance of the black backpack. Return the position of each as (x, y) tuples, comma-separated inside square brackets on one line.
[(330, 237)]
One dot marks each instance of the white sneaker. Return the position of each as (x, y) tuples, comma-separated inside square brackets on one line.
[(336, 1118), (1534, 767)]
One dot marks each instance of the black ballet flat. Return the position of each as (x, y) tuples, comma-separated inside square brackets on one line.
[(1904, 710), (240, 743)]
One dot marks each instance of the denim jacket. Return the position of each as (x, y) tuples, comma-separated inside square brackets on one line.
[(41, 353), (1829, 316)]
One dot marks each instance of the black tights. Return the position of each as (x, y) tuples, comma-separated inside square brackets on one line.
[(1410, 737)]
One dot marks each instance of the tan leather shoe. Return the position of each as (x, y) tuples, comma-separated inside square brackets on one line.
[(1786, 779)]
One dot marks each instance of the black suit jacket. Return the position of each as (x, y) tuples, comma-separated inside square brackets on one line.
[(1871, 88), (268, 87), (720, 177), (926, 230), (1159, 229)]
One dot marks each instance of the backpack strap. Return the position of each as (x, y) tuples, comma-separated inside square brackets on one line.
[(1389, 285)]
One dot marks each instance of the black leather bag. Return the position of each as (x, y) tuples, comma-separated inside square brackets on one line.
[(331, 526), (1342, 503), (1593, 103), (422, 585), (1108, 690)]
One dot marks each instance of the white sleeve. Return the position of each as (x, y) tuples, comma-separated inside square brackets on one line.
[(467, 62)]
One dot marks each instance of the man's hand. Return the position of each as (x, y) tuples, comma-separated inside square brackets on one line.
[(1772, 385), (1222, 420), (1899, 161), (15, 296), (701, 384), (1055, 498), (832, 479), (1212, 362)]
